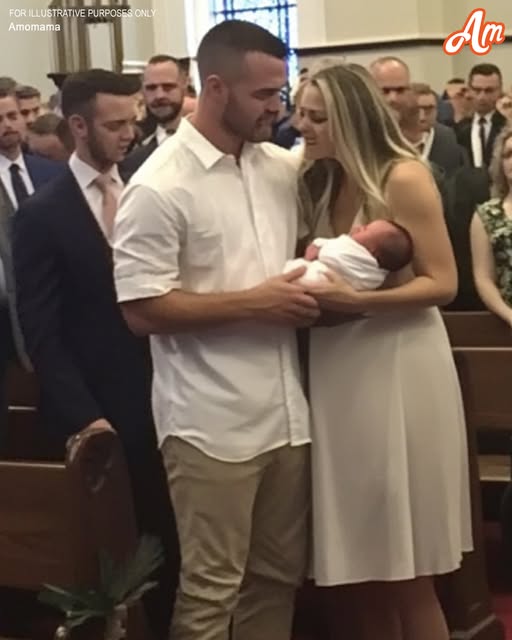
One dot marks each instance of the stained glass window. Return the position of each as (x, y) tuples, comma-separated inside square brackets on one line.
[(278, 16)]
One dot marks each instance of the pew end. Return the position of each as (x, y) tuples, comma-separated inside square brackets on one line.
[(55, 518)]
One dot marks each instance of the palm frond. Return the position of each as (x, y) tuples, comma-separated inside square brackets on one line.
[(123, 584), (136, 572)]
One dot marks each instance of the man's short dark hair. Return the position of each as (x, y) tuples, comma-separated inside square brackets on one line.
[(395, 251), (163, 57), (485, 69), (7, 84), (64, 134), (6, 93), (46, 124), (26, 92), (423, 89), (80, 89), (225, 45)]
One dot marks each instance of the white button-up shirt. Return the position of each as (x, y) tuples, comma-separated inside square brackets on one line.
[(476, 144), (192, 219), (85, 175)]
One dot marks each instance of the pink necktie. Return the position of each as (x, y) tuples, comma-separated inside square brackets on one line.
[(106, 184)]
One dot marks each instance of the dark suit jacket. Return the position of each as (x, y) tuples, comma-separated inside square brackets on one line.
[(89, 364), (42, 170), (136, 158), (446, 151), (467, 188), (463, 133)]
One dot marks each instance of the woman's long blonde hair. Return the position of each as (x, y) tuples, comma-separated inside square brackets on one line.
[(499, 183), (367, 140)]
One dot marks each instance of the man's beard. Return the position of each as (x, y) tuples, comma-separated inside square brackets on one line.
[(9, 143), (96, 150), (173, 112), (235, 122)]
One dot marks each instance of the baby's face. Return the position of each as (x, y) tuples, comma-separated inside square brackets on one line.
[(369, 235)]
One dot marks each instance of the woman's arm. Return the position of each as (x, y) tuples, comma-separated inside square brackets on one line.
[(484, 271), (415, 203)]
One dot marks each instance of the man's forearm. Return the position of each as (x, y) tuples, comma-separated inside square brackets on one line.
[(182, 311)]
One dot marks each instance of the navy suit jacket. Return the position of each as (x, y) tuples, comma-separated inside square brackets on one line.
[(88, 363), (42, 170)]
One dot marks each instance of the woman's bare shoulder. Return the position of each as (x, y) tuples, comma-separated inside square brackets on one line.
[(407, 173)]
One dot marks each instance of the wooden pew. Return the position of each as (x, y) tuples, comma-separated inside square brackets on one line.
[(55, 518), (24, 438), (477, 329), (485, 331), (465, 594)]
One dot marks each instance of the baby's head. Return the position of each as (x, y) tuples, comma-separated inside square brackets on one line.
[(389, 243)]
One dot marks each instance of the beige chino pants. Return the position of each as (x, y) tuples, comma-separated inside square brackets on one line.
[(244, 539)]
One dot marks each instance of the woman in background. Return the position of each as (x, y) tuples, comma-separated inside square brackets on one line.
[(491, 235)]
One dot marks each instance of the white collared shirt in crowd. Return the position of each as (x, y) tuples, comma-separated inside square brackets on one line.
[(427, 142), (194, 219), (85, 176), (160, 134), (5, 176), (476, 144)]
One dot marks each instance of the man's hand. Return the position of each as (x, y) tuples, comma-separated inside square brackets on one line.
[(74, 441), (279, 301), (336, 295)]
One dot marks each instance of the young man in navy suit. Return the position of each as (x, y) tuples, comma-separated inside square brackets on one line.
[(92, 370)]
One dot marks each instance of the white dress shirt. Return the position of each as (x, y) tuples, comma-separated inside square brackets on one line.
[(160, 134), (427, 142), (5, 176), (194, 219), (85, 176), (476, 144)]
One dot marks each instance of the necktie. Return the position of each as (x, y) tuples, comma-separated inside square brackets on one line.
[(483, 141), (105, 184), (18, 186)]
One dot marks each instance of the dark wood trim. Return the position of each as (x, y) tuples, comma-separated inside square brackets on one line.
[(330, 49)]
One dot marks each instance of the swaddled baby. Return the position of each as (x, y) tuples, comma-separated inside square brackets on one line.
[(363, 258)]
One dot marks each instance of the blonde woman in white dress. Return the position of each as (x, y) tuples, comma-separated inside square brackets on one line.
[(391, 506)]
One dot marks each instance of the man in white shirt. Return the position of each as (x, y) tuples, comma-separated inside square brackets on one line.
[(478, 134), (202, 234)]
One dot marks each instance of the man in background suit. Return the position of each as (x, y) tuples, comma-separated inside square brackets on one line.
[(164, 85), (11, 339), (439, 144), (478, 134), (92, 370), (20, 175)]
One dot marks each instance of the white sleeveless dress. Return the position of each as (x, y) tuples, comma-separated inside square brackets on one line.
[(391, 494)]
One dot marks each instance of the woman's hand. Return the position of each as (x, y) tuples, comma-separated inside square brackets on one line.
[(336, 295)]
